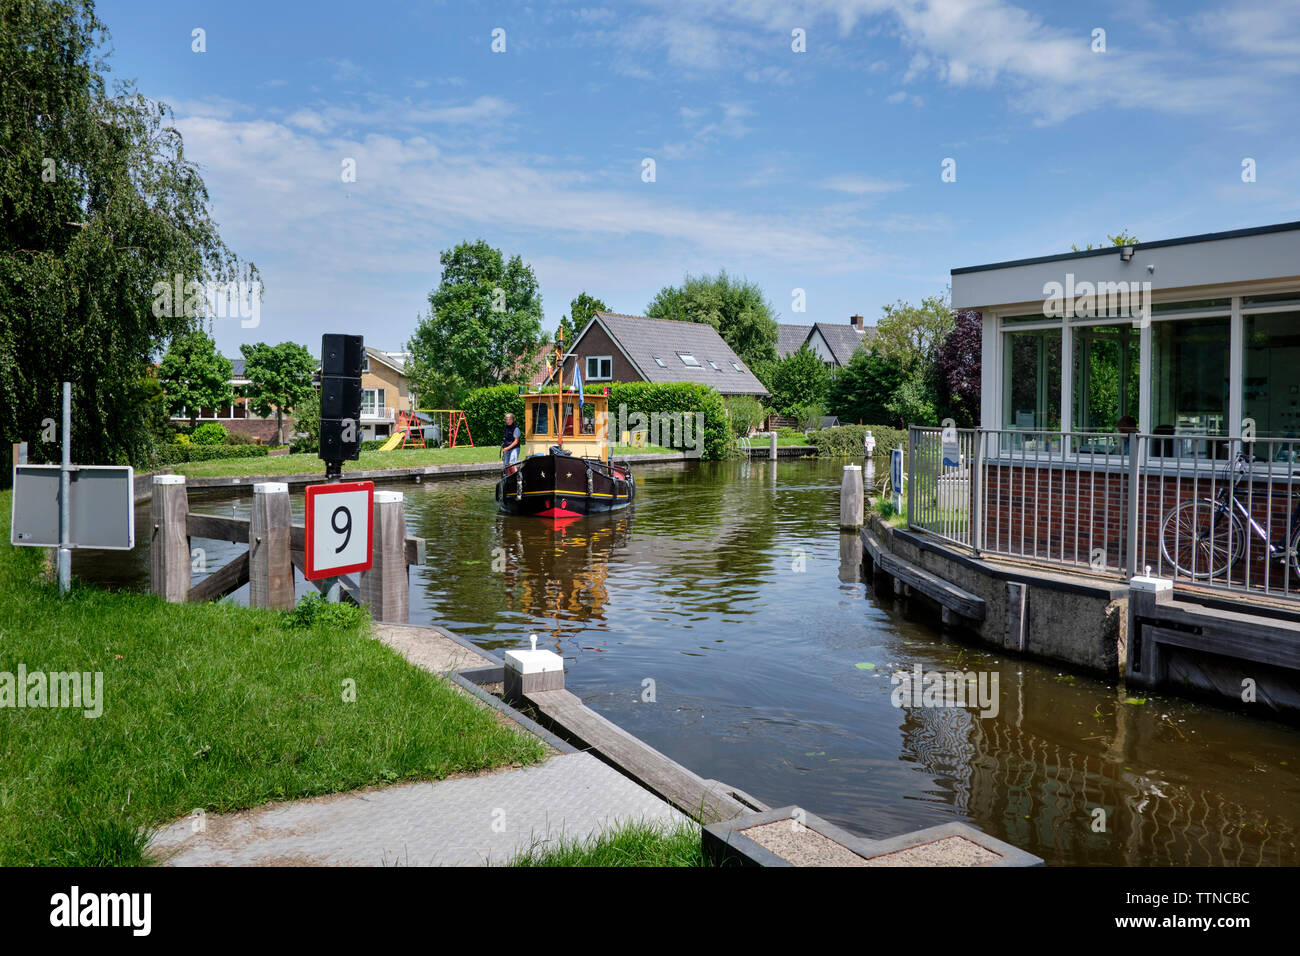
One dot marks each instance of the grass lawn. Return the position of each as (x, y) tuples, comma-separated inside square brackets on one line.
[(635, 844), (397, 458), (207, 706)]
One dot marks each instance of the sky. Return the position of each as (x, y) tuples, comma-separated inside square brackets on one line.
[(818, 169)]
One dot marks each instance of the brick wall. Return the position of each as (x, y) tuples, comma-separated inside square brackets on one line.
[(1067, 514)]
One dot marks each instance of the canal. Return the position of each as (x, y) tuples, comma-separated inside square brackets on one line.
[(724, 621)]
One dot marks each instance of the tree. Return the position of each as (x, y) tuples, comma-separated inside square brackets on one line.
[(911, 334), (484, 324), (97, 204), (195, 375), (798, 381), (280, 379), (862, 390), (735, 307), (958, 370), (1123, 239), (581, 310)]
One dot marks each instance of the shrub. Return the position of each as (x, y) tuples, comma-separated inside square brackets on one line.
[(209, 433), (239, 438), (178, 454), (746, 413), (485, 412), (846, 441), (182, 438), (306, 427)]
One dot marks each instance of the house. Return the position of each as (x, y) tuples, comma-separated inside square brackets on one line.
[(1134, 376), (385, 391), (833, 344), (634, 348)]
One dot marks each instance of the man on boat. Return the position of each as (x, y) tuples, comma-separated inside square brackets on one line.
[(510, 442)]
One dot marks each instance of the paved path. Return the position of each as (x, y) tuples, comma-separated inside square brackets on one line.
[(464, 821), (468, 821)]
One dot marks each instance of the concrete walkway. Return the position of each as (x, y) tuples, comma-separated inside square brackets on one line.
[(467, 821), (471, 820)]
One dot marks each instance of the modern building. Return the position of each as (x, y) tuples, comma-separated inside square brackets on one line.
[(1189, 336), (833, 344), (633, 348)]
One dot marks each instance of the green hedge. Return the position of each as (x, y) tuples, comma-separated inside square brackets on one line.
[(179, 454), (486, 408), (846, 441)]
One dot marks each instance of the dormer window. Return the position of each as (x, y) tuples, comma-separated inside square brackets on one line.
[(688, 360)]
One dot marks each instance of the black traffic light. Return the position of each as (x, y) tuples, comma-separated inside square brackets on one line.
[(340, 397)]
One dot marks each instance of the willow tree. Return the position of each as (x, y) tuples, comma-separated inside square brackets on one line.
[(97, 204)]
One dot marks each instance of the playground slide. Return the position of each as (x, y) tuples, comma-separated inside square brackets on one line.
[(394, 440)]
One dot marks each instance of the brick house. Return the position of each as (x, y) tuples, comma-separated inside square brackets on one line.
[(833, 344), (634, 348)]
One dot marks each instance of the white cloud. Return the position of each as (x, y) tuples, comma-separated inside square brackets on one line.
[(861, 185)]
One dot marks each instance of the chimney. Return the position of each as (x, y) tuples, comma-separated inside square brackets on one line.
[(856, 322)]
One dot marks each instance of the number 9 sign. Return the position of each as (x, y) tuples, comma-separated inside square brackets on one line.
[(339, 533)]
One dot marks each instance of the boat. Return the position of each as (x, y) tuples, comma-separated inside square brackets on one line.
[(566, 469)]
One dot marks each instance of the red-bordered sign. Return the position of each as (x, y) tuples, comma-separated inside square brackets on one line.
[(340, 532)]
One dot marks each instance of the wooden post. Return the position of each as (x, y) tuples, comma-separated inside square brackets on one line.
[(852, 505), (270, 570), (386, 586), (169, 545), (771, 447)]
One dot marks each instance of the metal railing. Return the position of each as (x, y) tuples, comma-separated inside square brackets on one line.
[(1218, 512)]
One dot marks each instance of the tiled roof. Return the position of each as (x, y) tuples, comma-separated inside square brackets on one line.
[(844, 340), (643, 339), (790, 337)]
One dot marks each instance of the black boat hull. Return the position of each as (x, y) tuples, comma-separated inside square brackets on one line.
[(564, 486)]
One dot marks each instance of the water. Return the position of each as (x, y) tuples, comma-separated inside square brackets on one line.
[(728, 592)]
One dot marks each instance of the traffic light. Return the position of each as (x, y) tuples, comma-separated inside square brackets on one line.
[(340, 397)]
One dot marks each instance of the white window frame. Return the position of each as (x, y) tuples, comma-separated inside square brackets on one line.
[(608, 376)]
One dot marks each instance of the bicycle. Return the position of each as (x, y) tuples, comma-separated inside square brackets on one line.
[(1204, 538)]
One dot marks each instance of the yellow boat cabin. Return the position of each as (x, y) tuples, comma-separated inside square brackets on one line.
[(551, 419)]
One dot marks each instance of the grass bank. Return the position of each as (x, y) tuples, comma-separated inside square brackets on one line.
[(632, 844), (370, 460), (208, 706)]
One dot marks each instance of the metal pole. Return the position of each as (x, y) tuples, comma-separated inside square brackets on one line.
[(333, 587), (65, 496)]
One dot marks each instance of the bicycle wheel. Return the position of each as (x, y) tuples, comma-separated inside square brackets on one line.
[(1201, 539)]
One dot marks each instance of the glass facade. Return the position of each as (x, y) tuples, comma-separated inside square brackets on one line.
[(1106, 378), (1032, 393), (1270, 374)]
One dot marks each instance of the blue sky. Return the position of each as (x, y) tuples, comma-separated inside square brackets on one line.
[(817, 170)]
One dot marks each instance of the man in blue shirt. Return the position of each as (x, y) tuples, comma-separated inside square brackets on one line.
[(510, 441)]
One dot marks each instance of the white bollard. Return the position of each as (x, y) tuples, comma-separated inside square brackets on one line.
[(851, 501)]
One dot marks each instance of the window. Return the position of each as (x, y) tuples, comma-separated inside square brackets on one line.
[(1189, 381), (737, 367), (714, 365), (660, 362), (599, 368), (365, 363), (541, 418), (1106, 378), (372, 402), (569, 409), (589, 419), (1270, 384), (1031, 394), (688, 360)]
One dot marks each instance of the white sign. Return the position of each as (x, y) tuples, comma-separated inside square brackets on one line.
[(339, 529)]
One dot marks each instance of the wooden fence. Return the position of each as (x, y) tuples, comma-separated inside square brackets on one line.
[(275, 547)]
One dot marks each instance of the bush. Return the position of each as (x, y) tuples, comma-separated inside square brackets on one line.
[(485, 410), (239, 438), (178, 454), (305, 436), (209, 433), (182, 438), (846, 441), (746, 413)]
